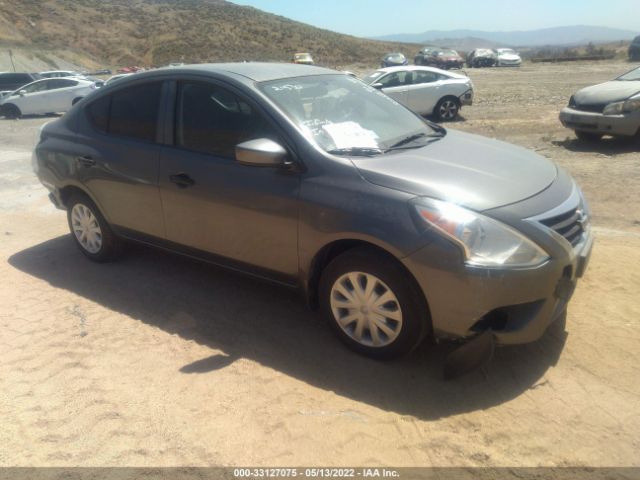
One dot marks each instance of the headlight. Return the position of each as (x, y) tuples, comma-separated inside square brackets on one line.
[(617, 108), (485, 242)]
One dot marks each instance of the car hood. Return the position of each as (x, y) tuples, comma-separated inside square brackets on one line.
[(469, 170), (613, 91)]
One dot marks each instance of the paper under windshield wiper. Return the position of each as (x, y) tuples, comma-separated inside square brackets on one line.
[(356, 151)]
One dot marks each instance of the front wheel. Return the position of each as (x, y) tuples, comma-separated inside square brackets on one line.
[(447, 109), (373, 304), (90, 230), (11, 112)]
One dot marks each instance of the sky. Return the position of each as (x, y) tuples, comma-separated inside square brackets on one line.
[(369, 18)]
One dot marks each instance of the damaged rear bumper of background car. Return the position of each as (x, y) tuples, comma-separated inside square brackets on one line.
[(627, 124)]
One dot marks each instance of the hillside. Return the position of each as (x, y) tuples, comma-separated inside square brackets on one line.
[(156, 32), (569, 36)]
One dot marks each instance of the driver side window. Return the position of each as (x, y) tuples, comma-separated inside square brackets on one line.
[(213, 120)]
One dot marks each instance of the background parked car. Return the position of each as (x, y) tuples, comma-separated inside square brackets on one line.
[(303, 58), (12, 81), (131, 69), (104, 71), (481, 57), (610, 108), (60, 74), (425, 90), (634, 49), (394, 60), (49, 95), (507, 57), (439, 58), (421, 57)]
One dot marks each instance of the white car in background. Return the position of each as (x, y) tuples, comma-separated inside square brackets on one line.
[(425, 90), (60, 74), (507, 57), (50, 95)]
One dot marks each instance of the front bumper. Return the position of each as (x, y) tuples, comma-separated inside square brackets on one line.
[(627, 124), (517, 305), (509, 63), (466, 98)]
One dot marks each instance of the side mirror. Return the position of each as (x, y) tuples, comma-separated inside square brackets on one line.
[(22, 93), (261, 152), (377, 85)]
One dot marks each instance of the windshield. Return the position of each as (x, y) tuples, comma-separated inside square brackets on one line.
[(449, 53), (506, 50), (341, 113), (630, 76), (395, 57)]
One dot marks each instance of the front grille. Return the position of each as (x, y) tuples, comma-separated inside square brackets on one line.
[(570, 225), (595, 108)]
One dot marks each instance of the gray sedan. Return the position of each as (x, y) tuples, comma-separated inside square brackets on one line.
[(395, 227), (610, 108)]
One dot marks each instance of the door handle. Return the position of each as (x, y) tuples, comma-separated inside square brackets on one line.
[(86, 161), (182, 180)]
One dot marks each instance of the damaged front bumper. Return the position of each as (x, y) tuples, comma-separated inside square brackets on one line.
[(516, 305)]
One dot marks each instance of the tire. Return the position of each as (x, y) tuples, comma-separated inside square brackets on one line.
[(90, 231), (447, 109), (11, 112), (379, 337), (588, 136)]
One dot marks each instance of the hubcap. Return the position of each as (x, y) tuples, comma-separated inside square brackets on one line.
[(366, 309), (448, 109), (86, 228)]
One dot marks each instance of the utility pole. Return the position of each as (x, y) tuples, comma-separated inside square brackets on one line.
[(11, 58)]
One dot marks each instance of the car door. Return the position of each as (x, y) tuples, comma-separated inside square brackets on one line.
[(117, 157), (61, 94), (244, 215), (424, 92), (395, 84), (31, 98)]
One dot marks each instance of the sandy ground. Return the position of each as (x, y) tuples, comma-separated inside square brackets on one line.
[(160, 361)]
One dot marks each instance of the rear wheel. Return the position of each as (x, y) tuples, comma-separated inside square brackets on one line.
[(447, 109), (588, 136), (10, 111), (373, 305), (90, 231)]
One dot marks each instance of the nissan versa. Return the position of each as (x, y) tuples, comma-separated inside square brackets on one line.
[(395, 227)]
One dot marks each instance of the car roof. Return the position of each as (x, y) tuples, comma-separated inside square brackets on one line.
[(256, 71)]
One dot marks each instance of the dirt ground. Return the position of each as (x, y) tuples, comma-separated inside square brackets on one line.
[(157, 360)]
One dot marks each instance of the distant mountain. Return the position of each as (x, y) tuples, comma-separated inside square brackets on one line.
[(570, 35), (156, 32)]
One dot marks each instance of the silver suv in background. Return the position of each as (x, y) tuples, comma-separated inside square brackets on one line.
[(610, 108)]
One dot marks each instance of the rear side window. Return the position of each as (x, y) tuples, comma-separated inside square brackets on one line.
[(60, 83), (213, 120), (132, 112), (98, 113), (421, 76)]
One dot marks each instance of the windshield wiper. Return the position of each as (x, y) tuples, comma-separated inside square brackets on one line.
[(356, 151), (411, 138)]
